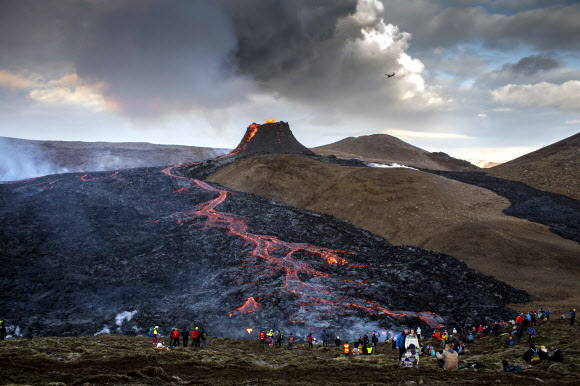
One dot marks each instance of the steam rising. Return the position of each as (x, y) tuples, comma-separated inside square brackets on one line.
[(22, 160)]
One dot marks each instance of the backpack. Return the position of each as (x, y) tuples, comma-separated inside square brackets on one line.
[(536, 357), (151, 331)]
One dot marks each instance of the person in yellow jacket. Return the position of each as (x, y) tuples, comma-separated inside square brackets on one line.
[(155, 334), (271, 338)]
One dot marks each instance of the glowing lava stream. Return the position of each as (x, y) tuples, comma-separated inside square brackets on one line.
[(277, 256)]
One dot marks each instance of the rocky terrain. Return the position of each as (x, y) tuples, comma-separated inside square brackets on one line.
[(20, 159), (388, 149), (554, 168), (121, 251)]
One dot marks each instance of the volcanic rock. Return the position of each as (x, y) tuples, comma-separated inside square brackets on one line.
[(269, 138), (122, 251)]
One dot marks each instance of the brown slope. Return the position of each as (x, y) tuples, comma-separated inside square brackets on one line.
[(554, 168), (410, 207), (388, 149)]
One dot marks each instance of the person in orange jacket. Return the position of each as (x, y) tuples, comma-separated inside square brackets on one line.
[(195, 338), (175, 338), (346, 349)]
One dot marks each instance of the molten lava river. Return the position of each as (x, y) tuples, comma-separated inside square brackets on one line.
[(270, 255)]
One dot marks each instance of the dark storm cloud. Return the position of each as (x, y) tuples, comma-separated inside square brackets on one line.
[(436, 24), (161, 56), (533, 64), (40, 35), (275, 37)]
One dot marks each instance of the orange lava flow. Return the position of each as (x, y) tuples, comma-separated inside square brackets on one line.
[(250, 306), (244, 144), (270, 121), (270, 255)]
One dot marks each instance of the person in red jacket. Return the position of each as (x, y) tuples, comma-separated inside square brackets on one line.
[(310, 340), (175, 338), (195, 338), (262, 339)]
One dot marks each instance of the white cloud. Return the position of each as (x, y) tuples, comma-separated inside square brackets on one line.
[(572, 122), (565, 96), (87, 96), (482, 115), (69, 90), (16, 81), (410, 135), (503, 109)]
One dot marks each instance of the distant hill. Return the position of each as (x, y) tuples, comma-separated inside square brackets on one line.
[(21, 158), (388, 149), (554, 168)]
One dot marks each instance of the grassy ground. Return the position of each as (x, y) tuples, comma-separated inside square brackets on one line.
[(112, 359)]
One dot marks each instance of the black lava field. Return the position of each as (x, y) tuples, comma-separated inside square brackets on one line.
[(123, 251)]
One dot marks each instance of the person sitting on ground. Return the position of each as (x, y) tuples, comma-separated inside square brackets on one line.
[(543, 353), (509, 341), (411, 339), (510, 368), (411, 358), (470, 338), (531, 354), (161, 346), (447, 359), (557, 356)]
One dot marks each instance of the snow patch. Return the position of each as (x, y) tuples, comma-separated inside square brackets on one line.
[(393, 165)]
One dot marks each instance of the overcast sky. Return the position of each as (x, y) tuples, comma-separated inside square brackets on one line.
[(477, 79)]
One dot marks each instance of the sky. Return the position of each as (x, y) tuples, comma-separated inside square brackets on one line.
[(486, 80)]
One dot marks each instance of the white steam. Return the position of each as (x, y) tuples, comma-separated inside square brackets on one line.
[(21, 161)]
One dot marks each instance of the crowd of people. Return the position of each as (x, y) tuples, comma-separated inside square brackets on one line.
[(409, 343), (198, 338)]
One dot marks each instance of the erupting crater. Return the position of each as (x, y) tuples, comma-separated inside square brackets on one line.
[(269, 138)]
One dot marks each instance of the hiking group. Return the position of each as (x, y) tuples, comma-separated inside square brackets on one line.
[(198, 338)]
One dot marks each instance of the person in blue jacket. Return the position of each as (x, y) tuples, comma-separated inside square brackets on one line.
[(401, 342)]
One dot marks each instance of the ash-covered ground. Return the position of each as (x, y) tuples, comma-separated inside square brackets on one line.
[(123, 251)]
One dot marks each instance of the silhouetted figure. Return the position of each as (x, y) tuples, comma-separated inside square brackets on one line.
[(390, 76), (185, 335)]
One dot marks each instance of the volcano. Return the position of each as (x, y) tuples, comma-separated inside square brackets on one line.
[(123, 251), (270, 138)]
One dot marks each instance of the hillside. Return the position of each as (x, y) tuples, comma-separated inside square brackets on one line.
[(20, 158), (388, 149), (554, 168), (116, 359), (411, 207)]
